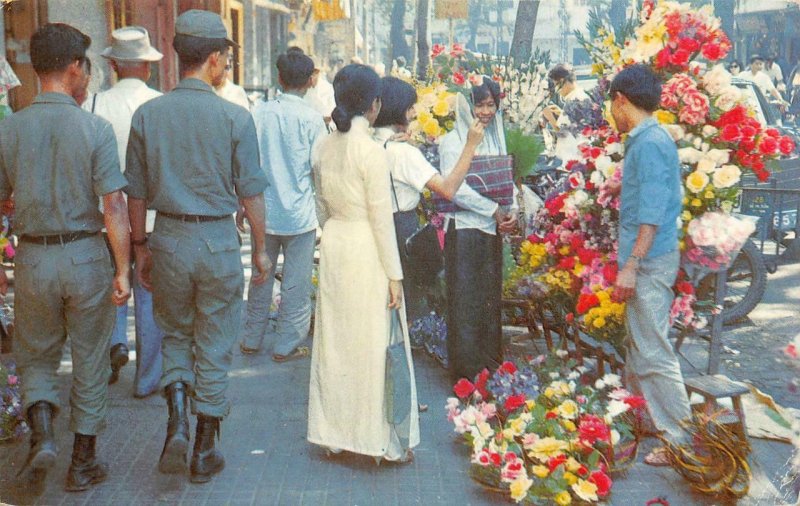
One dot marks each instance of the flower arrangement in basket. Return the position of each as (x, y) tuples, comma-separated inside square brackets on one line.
[(713, 241), (539, 434), (12, 418)]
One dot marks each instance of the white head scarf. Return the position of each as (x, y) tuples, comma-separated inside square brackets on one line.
[(494, 138)]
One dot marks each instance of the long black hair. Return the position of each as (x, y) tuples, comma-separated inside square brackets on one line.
[(355, 87), (488, 88), (397, 97)]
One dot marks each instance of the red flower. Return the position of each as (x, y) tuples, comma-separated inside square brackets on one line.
[(496, 459), (772, 132), (436, 50), (480, 383), (457, 50), (586, 301), (592, 428), (733, 117), (685, 287), (610, 272), (748, 132), (595, 152), (567, 263), (662, 58), (680, 58), (688, 45), (463, 388), (551, 415), (458, 78), (730, 133), (712, 51), (571, 164), (570, 317), (514, 402), (554, 462), (582, 471), (602, 481), (786, 145), (508, 367), (635, 401), (768, 145), (747, 144)]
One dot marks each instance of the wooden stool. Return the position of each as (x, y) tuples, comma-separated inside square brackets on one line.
[(712, 388)]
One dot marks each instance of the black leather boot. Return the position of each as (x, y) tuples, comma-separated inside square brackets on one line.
[(42, 454), (176, 446), (84, 471), (206, 460)]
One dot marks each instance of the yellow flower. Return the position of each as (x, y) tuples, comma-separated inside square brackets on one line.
[(665, 117), (568, 409), (586, 490), (597, 69), (685, 201), (570, 478), (530, 403), (569, 425), (696, 202), (424, 117), (431, 128), (547, 447), (549, 392), (563, 498), (519, 487), (441, 108), (564, 250), (540, 471), (709, 194), (517, 426), (599, 322), (686, 215), (696, 181), (573, 465)]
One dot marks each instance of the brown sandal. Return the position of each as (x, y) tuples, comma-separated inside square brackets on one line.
[(658, 457), (247, 351), (300, 352)]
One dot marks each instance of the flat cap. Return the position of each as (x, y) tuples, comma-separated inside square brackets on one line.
[(203, 24)]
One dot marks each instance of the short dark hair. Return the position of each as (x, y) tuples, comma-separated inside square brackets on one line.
[(55, 46), (488, 88), (640, 85), (560, 72), (295, 69), (756, 57), (397, 97), (194, 51), (735, 62), (355, 87), (295, 50), (401, 61)]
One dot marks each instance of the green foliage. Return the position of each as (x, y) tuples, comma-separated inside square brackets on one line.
[(526, 149)]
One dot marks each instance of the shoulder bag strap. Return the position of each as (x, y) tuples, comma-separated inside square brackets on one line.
[(394, 193), (94, 102)]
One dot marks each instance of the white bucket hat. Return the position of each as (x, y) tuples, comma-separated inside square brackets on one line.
[(131, 43)]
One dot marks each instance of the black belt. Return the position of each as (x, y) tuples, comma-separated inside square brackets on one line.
[(194, 218), (57, 238)]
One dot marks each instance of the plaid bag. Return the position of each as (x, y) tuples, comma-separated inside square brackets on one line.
[(491, 176)]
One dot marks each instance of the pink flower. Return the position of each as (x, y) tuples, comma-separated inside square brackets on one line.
[(436, 50), (13, 380), (459, 79), (457, 50)]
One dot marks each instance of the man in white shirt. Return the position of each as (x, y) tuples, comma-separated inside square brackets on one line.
[(756, 74), (774, 71), (230, 91), (130, 55)]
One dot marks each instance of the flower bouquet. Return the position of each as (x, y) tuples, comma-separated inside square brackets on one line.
[(539, 434), (714, 239), (12, 418)]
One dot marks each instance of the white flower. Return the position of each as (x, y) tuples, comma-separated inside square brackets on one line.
[(555, 375), (612, 380), (720, 156), (615, 148), (697, 142), (615, 437), (689, 155), (560, 354), (597, 179), (616, 408), (728, 98), (573, 375), (706, 165), (709, 131), (716, 79), (676, 132), (603, 164), (599, 384), (726, 176)]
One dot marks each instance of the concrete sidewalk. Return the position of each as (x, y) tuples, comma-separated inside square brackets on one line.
[(270, 462)]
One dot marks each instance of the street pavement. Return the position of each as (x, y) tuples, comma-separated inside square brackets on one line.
[(268, 460)]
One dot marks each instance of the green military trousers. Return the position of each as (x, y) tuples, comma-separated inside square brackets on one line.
[(59, 291), (198, 285)]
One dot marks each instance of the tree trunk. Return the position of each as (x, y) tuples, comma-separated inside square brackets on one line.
[(423, 38), (397, 37), (522, 42)]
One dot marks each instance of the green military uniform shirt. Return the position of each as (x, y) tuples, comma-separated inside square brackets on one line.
[(58, 160), (201, 177)]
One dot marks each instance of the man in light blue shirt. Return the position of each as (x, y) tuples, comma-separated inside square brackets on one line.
[(287, 128), (648, 252)]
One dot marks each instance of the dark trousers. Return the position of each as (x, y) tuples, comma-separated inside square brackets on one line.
[(414, 287), (473, 271)]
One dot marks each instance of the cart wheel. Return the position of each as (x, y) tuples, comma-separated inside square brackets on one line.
[(747, 282)]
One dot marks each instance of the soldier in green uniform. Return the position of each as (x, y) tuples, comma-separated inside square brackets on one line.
[(192, 156), (58, 160)]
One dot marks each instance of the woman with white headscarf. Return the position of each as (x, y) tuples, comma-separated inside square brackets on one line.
[(473, 246)]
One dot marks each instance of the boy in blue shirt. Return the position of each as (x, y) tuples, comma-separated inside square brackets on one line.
[(287, 129), (648, 254)]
